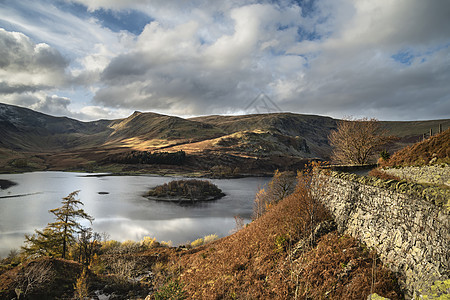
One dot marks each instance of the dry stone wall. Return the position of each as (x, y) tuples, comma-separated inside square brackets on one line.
[(410, 234), (434, 174)]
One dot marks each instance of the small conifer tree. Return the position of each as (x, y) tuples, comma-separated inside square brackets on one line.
[(55, 239)]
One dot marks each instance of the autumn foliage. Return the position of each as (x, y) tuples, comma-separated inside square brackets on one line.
[(275, 257)]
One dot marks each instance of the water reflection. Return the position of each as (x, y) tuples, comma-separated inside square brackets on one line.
[(123, 213)]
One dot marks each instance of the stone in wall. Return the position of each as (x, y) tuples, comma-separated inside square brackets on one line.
[(435, 174)]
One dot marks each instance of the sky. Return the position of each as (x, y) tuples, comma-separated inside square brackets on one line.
[(105, 59)]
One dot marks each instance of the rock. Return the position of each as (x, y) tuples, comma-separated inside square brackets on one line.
[(375, 296)]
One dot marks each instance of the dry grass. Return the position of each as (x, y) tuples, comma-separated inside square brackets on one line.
[(435, 149), (257, 262), (339, 268), (44, 278)]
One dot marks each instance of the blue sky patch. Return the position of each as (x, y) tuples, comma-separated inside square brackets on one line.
[(404, 57), (130, 20)]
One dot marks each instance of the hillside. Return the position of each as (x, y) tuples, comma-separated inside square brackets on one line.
[(435, 149), (150, 130), (25, 130), (257, 143)]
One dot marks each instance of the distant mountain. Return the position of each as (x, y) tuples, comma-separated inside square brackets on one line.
[(254, 142), (26, 130)]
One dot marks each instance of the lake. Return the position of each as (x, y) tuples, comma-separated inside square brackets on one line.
[(120, 209)]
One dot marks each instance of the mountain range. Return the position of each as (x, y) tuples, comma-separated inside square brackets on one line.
[(255, 143)]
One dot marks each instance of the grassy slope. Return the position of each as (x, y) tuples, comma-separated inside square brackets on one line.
[(259, 262), (26, 130), (415, 128), (151, 126), (314, 129), (421, 153)]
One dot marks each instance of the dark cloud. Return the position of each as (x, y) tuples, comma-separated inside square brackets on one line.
[(53, 105), (126, 67)]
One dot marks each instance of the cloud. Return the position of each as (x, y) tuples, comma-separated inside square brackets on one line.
[(26, 66), (110, 4), (174, 69), (52, 105), (356, 70)]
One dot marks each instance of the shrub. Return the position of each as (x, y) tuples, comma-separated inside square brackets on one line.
[(110, 245), (384, 155), (171, 290), (210, 238), (166, 244), (220, 171), (281, 185), (197, 242), (81, 286), (148, 242)]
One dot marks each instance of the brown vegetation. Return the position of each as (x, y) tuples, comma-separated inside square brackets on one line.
[(281, 185), (435, 149), (44, 278), (276, 257)]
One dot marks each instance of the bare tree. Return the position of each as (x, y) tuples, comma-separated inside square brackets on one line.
[(36, 274), (356, 140)]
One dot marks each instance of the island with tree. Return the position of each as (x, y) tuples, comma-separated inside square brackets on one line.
[(186, 191)]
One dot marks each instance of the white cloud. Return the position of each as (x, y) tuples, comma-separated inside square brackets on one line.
[(354, 71), (171, 69), (25, 66), (93, 5)]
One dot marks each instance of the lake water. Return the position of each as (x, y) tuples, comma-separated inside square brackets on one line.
[(123, 213)]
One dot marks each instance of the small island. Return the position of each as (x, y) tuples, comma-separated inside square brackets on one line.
[(186, 191), (5, 184)]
